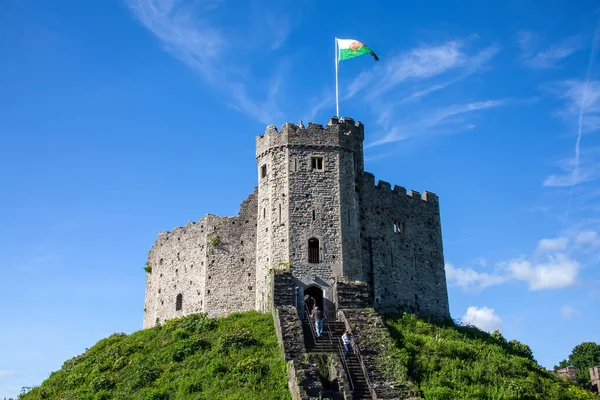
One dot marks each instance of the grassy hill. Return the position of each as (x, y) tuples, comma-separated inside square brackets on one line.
[(457, 362), (238, 358), (188, 358)]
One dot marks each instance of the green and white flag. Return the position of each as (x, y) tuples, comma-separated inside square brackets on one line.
[(350, 48), (346, 49)]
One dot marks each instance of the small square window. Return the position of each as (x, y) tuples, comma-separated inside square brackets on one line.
[(316, 163), (263, 171)]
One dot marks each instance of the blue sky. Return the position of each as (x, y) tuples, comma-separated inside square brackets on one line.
[(123, 118)]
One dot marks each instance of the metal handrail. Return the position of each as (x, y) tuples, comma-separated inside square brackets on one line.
[(344, 363), (330, 337), (356, 350), (311, 325)]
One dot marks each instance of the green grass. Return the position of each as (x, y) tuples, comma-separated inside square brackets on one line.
[(446, 361), (194, 357)]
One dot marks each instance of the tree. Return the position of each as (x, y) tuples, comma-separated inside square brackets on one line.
[(583, 357)]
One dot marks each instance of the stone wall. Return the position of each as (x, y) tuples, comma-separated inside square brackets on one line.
[(365, 324), (178, 261), (202, 262), (403, 260), (595, 378), (231, 262)]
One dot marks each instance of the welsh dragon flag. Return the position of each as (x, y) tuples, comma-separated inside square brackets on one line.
[(350, 48)]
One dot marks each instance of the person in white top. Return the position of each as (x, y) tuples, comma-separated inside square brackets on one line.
[(347, 340)]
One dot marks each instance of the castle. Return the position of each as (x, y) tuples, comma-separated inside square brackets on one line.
[(315, 214)]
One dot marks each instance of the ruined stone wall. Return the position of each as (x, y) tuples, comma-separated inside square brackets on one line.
[(230, 261), (595, 378), (402, 249), (178, 267), (210, 277)]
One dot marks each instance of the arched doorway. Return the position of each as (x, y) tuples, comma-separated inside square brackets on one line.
[(313, 296)]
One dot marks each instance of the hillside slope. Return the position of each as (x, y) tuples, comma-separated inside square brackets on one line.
[(237, 357), (447, 361)]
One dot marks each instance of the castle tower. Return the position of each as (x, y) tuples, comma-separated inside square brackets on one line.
[(308, 213), (317, 214)]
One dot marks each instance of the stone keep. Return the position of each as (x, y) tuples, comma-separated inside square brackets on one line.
[(318, 213)]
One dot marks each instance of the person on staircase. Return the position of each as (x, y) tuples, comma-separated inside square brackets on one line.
[(347, 340), (309, 303), (317, 315)]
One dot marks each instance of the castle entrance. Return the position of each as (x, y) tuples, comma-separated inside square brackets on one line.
[(313, 296)]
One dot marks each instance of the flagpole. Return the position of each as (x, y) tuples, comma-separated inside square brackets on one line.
[(337, 101)]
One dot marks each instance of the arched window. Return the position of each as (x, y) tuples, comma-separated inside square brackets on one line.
[(179, 302), (313, 251)]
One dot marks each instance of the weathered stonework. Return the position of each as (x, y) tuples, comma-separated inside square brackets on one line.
[(312, 188), (595, 379)]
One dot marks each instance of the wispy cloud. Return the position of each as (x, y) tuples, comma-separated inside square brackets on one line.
[(582, 98), (556, 244), (185, 30), (585, 168), (468, 278), (420, 64), (435, 122), (395, 87), (4, 373), (535, 56), (588, 240), (568, 312)]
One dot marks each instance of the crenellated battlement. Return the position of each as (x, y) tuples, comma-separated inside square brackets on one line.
[(343, 132), (398, 191)]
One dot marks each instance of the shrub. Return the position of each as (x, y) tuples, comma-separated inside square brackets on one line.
[(148, 268), (101, 383), (235, 340), (214, 240), (144, 375)]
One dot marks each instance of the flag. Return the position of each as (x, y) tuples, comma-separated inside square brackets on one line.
[(350, 48)]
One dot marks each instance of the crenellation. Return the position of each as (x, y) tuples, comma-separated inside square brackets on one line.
[(383, 185), (315, 213), (414, 194), (399, 190)]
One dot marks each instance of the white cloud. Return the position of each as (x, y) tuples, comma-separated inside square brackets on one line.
[(568, 312), (482, 317), (554, 271), (556, 244), (471, 279), (550, 57), (588, 239), (4, 373), (559, 271)]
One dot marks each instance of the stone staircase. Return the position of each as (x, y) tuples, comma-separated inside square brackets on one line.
[(356, 376), (330, 343)]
